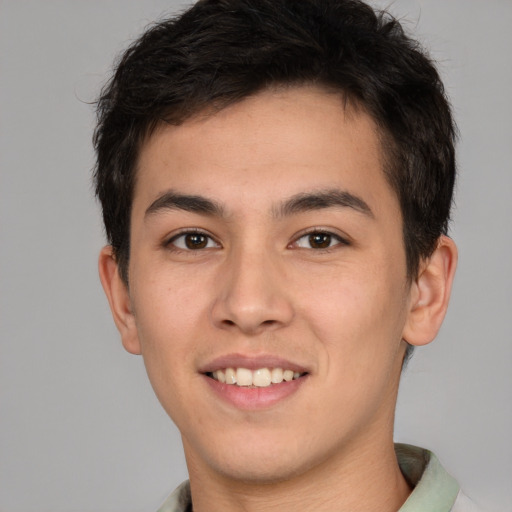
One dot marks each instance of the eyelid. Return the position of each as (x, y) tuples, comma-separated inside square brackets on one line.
[(342, 239), (169, 240)]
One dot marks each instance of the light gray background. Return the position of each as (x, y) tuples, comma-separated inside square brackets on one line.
[(80, 429)]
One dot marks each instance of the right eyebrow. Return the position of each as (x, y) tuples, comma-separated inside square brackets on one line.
[(172, 200), (318, 200)]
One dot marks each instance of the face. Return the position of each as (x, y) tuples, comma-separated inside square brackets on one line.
[(266, 245)]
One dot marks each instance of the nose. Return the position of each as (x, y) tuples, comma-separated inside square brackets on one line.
[(252, 296)]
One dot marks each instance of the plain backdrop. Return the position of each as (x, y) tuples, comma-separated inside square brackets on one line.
[(80, 429)]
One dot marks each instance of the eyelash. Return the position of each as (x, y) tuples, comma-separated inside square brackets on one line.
[(333, 237), (171, 242)]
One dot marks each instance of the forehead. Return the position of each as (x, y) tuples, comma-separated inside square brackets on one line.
[(275, 144)]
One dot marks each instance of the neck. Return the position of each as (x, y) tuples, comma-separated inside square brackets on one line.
[(363, 479)]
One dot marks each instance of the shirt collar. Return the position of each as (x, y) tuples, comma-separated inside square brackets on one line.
[(434, 489)]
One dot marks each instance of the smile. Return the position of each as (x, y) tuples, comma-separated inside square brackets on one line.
[(260, 378)]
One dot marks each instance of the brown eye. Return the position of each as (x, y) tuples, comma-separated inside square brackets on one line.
[(320, 240), (193, 241)]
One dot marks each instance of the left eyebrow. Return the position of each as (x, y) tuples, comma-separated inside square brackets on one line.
[(320, 200), (172, 200)]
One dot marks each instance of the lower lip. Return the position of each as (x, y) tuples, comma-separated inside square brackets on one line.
[(254, 398)]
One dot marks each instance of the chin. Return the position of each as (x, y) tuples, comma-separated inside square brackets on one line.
[(262, 472), (263, 461)]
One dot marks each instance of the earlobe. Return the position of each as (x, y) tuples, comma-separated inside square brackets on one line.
[(119, 300), (430, 294)]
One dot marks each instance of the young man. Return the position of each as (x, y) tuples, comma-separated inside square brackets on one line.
[(276, 179)]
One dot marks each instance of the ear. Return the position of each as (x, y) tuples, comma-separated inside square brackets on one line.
[(119, 299), (430, 294)]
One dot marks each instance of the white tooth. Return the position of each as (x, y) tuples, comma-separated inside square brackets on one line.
[(243, 377), (230, 376), (296, 375), (277, 375), (262, 378), (220, 376), (288, 375)]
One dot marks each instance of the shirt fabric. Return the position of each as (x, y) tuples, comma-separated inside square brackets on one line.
[(434, 489)]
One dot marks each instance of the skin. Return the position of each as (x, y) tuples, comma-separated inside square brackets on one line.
[(260, 287)]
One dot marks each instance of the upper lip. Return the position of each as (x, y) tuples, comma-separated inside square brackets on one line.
[(251, 362)]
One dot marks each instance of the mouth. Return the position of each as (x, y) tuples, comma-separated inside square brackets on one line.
[(254, 382), (259, 378)]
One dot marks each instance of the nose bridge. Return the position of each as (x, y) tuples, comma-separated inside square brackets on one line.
[(251, 296)]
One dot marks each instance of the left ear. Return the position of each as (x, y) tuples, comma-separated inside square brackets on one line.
[(430, 294), (118, 297)]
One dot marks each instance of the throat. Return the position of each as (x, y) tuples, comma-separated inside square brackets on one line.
[(355, 485)]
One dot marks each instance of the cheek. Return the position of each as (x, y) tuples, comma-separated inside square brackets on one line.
[(358, 325), (357, 316), (168, 313), (167, 303), (168, 340)]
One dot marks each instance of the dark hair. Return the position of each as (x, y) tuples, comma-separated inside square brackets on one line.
[(221, 51)]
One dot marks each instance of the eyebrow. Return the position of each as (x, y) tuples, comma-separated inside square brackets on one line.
[(172, 200), (299, 203), (310, 201)]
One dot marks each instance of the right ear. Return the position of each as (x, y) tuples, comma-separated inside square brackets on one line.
[(119, 299)]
